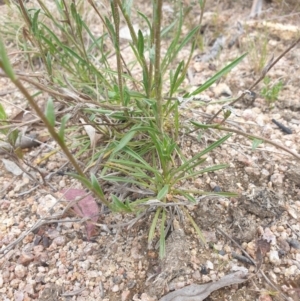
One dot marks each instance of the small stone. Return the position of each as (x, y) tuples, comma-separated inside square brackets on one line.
[(291, 271), (25, 258), (209, 265), (115, 288), (45, 204), (280, 228), (20, 271), (294, 243), (15, 283), (196, 275), (274, 257), (125, 295), (146, 297), (59, 241), (222, 90), (277, 179), (283, 244), (277, 270)]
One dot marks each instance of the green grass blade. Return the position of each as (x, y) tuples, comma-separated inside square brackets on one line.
[(153, 225), (5, 63), (218, 75), (202, 153), (163, 192), (50, 112), (162, 238), (119, 206)]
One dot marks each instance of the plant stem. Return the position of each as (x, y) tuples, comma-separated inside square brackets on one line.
[(157, 67), (116, 16), (256, 137)]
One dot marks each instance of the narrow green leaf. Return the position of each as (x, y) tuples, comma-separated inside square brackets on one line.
[(256, 143), (200, 172), (162, 239), (13, 136), (127, 5), (218, 75), (124, 141), (119, 206), (3, 115), (153, 225), (188, 196), (140, 43), (163, 192), (61, 132), (96, 186), (202, 153), (50, 112), (83, 180), (147, 20), (199, 232), (125, 180), (34, 24), (5, 63)]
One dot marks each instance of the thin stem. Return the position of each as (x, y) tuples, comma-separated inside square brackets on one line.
[(116, 17), (157, 68), (218, 127)]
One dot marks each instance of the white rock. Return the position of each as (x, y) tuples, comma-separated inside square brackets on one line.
[(20, 271), (209, 265), (115, 288), (277, 179), (291, 271), (274, 257), (45, 203)]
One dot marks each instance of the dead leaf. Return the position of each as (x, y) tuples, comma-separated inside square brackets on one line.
[(86, 207), (91, 131), (196, 292), (262, 247), (12, 167)]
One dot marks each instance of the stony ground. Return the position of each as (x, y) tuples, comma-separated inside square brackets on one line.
[(54, 260)]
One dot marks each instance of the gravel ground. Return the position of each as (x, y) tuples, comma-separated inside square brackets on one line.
[(53, 258)]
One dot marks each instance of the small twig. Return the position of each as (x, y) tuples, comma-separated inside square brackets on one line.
[(260, 138), (260, 78), (73, 293), (236, 244)]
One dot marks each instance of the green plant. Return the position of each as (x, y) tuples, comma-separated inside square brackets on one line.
[(271, 91), (135, 113), (257, 48)]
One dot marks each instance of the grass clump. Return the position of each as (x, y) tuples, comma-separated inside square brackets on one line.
[(271, 91), (131, 104)]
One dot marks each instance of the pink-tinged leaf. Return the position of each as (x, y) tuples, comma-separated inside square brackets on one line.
[(86, 207)]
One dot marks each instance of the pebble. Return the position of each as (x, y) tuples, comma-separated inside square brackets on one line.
[(45, 203), (283, 244), (274, 257), (209, 265), (25, 258), (290, 271), (59, 241), (277, 179), (115, 288), (125, 295), (280, 228), (20, 271)]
